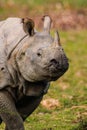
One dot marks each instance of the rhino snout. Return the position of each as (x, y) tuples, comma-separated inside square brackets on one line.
[(65, 63), (60, 64), (54, 63)]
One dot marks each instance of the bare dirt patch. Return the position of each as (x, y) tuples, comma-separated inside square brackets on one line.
[(50, 103)]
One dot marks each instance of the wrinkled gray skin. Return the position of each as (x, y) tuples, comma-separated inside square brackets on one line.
[(27, 65)]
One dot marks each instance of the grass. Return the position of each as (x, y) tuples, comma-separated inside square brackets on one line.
[(70, 90)]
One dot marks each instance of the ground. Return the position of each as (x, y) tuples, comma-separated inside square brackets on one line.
[(64, 107)]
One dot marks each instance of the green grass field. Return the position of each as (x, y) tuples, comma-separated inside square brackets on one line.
[(70, 90)]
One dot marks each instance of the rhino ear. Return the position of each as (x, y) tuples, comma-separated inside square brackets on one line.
[(47, 23), (28, 26)]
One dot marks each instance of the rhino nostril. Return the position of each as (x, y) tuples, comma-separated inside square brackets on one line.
[(53, 61)]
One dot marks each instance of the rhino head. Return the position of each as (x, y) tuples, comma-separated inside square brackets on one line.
[(42, 58)]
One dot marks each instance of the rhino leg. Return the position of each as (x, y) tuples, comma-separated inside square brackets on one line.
[(27, 105), (8, 112)]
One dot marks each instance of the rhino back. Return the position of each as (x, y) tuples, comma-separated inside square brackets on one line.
[(11, 31)]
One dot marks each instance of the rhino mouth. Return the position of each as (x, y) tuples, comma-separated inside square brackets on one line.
[(58, 69), (54, 74), (55, 69)]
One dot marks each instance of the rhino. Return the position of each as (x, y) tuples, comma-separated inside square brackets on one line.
[(29, 61)]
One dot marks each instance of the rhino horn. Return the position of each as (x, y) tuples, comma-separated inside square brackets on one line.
[(47, 23), (56, 39)]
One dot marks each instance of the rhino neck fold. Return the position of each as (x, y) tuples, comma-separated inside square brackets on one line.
[(9, 55)]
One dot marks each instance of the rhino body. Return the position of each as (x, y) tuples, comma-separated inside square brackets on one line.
[(28, 63)]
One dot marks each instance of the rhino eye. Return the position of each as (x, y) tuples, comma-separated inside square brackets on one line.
[(39, 54)]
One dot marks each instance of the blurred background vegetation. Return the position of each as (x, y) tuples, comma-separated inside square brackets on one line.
[(66, 14), (65, 105)]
